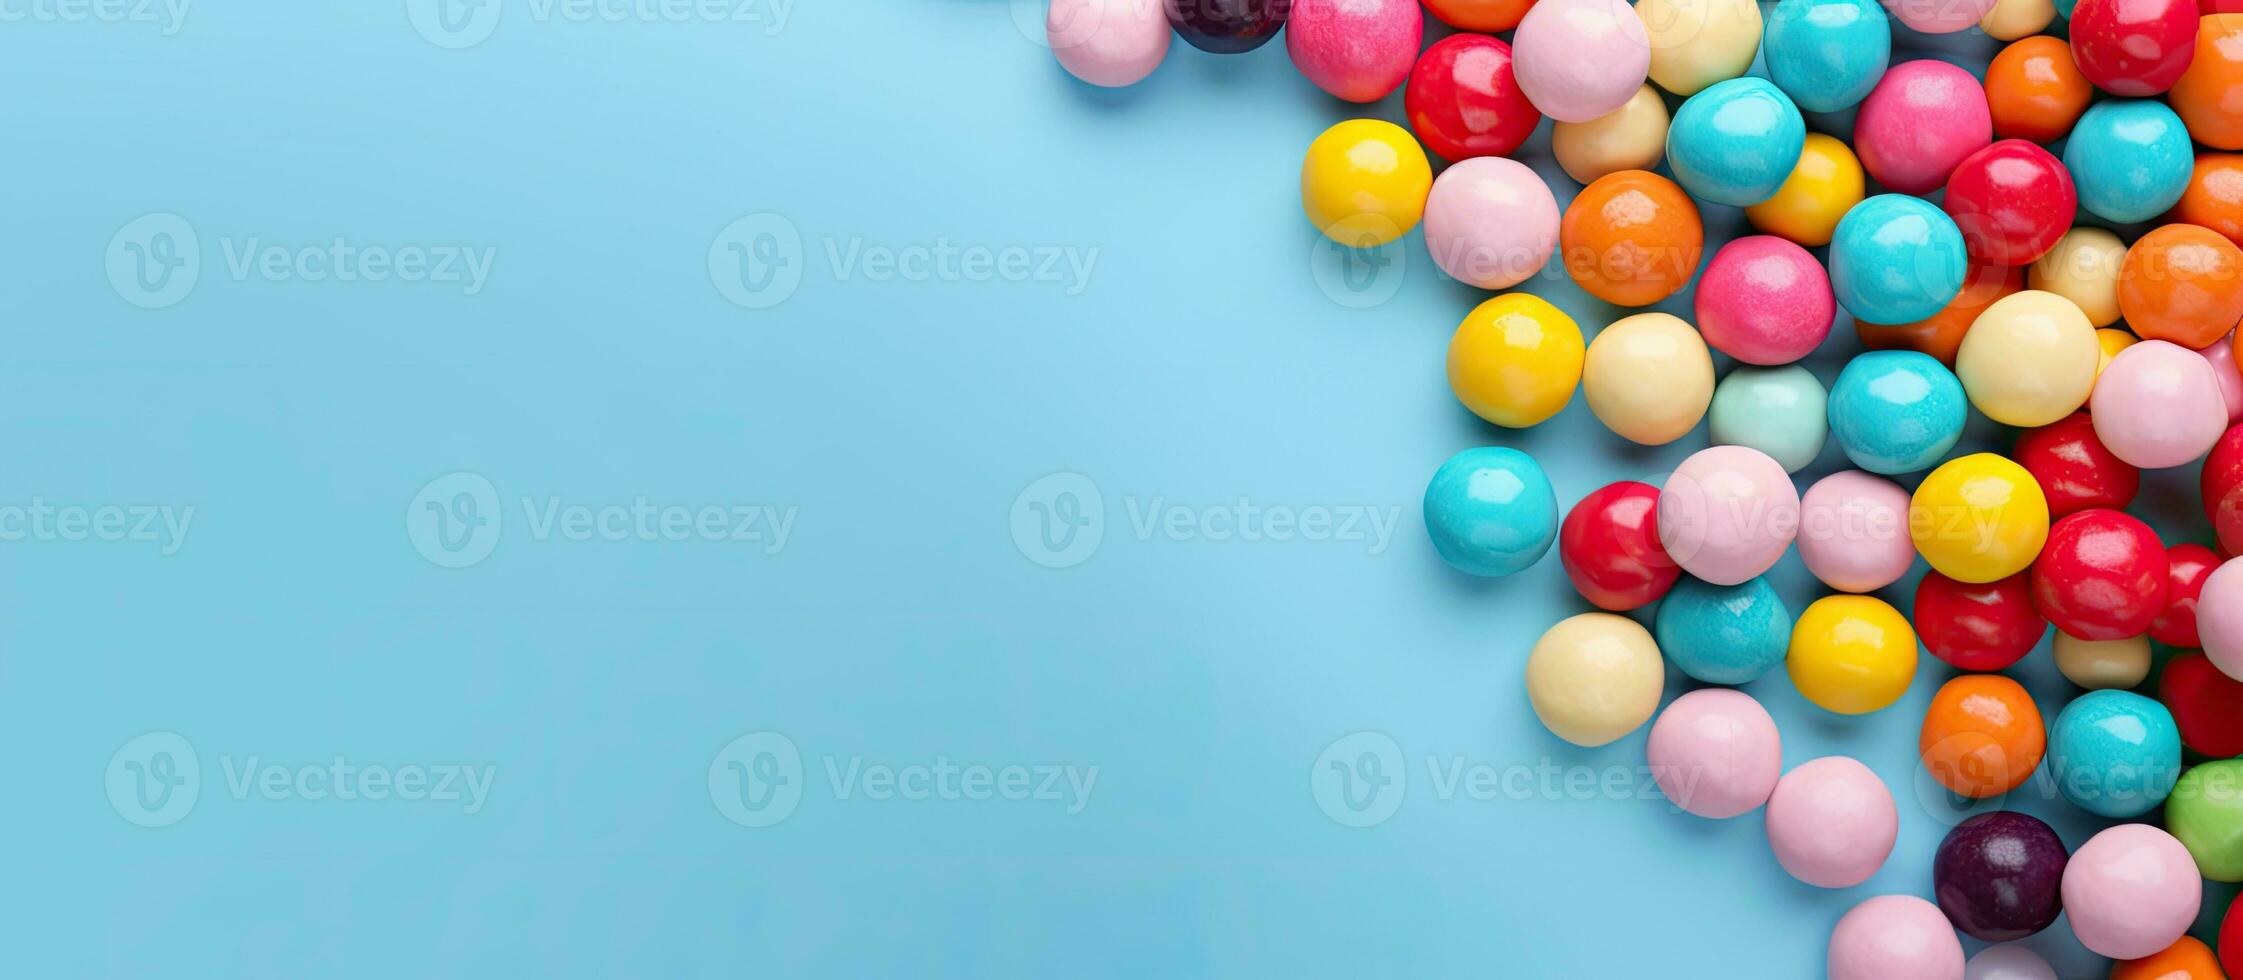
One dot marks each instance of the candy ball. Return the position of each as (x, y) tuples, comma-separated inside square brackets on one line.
[(2133, 48), (1364, 182), (2101, 576), (1851, 654), (1764, 300), (2113, 340), (2182, 283), (1831, 823), (2231, 941), (2115, 754), (2214, 198), (1594, 678), (1978, 518), (1736, 141), (2029, 359), (1580, 59), (1896, 411), (2207, 705), (2158, 405), (2008, 962), (1490, 222), (1940, 18), (2010, 20), (1695, 43), (2099, 664), (1632, 137), (2208, 94), (1609, 544), (1515, 360), (1648, 378), (1715, 753), (1827, 54), (1727, 514), (1778, 411), (1977, 626), (2187, 959), (2220, 488), (1110, 43), (1227, 26), (2034, 91), (1922, 119), (2188, 565), (1631, 238), (1823, 186), (2012, 200), (2073, 469), (2220, 354), (1491, 511), (1982, 737), (1464, 102), (2000, 875), (1723, 634), (2131, 890), (2219, 618), (1853, 531), (2205, 813), (1894, 936), (2129, 158), (2083, 267), (1941, 334), (1484, 16), (1357, 50), (1896, 259)]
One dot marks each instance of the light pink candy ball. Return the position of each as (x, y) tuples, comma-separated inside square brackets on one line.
[(1939, 16), (2219, 617), (1358, 50), (1577, 60), (2131, 891), (1108, 42), (1894, 936), (1853, 531), (1764, 300), (2221, 356), (2158, 404), (1832, 823), (1727, 513), (1715, 753), (1920, 121), (2008, 961), (1491, 222)]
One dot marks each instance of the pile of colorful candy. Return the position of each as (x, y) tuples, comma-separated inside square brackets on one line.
[(2003, 298)]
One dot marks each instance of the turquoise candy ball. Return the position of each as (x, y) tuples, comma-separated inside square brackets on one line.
[(2115, 753), (1777, 410), (1736, 141), (2130, 159), (1896, 411), (1491, 511), (1898, 259), (1827, 54), (1723, 634)]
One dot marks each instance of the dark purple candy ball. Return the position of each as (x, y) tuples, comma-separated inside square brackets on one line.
[(1999, 876), (1227, 26)]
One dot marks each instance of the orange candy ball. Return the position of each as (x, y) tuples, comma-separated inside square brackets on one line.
[(1942, 334), (2214, 198), (2187, 959), (1484, 16), (2209, 95), (2182, 283), (2035, 90), (1982, 736), (1631, 238)]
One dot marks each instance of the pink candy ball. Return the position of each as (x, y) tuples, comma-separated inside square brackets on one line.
[(2158, 404), (2219, 617), (1715, 753), (2131, 891), (1727, 514), (2008, 961), (1895, 936), (1358, 50), (1832, 823), (1764, 300), (1853, 531), (2221, 356), (1939, 16), (1108, 42), (1491, 222), (1919, 123), (1577, 60)]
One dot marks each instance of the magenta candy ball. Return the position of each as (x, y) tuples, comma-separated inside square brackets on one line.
[(1919, 123), (2131, 891), (1939, 16), (1358, 50), (1764, 300), (2219, 617), (1832, 822), (2158, 404), (1577, 60), (1727, 514), (1490, 222), (1715, 753), (1853, 531), (1895, 936), (2221, 356), (1107, 42)]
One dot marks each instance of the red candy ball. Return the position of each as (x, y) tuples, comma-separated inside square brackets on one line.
[(2102, 575), (1610, 546), (2188, 566), (2134, 48), (2012, 200), (2073, 468), (2221, 488), (2231, 940), (2206, 704), (1977, 627), (1463, 101)]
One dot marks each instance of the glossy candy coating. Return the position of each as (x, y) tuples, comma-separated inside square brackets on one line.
[(2187, 566), (1981, 626), (2115, 754), (2000, 875), (2131, 890), (1940, 18), (1764, 300), (1851, 654), (1695, 43), (1982, 737), (2158, 405), (2207, 705), (1978, 518), (1736, 141), (1827, 54), (2113, 340), (1715, 753), (2187, 959), (1853, 531), (1632, 137), (2008, 962), (1779, 411), (2181, 283), (1631, 238), (1227, 26), (2220, 354), (2099, 664), (1894, 936), (2083, 267), (1593, 678), (1357, 50), (2220, 488), (1609, 544), (2010, 20), (2205, 813), (1648, 378), (1515, 360), (1896, 411), (2102, 575), (1723, 634), (1490, 222), (1463, 100), (1941, 334), (1490, 511), (2029, 359), (2034, 91), (1364, 182), (2209, 94), (1484, 16), (1831, 822), (2075, 472), (1825, 184), (2130, 159), (1727, 514), (1580, 59), (1109, 43), (2012, 200), (2214, 197), (2133, 48), (1922, 119), (1896, 259), (2231, 940), (2219, 617)]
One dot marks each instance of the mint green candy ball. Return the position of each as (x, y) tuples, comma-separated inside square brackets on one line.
[(1777, 410), (2206, 813)]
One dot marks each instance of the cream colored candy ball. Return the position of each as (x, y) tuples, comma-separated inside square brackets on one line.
[(2083, 268), (2097, 664), (2014, 19), (1632, 137), (1594, 678), (1649, 378), (2029, 359), (1695, 43)]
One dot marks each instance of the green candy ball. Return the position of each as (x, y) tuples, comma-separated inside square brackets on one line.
[(1777, 410), (2206, 813)]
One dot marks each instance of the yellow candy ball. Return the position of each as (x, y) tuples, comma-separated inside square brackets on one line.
[(1823, 186), (1649, 378), (1978, 518), (2083, 268), (1851, 654), (1632, 137), (1594, 678), (2014, 19), (2029, 359), (2097, 664), (1364, 182), (2112, 341), (1695, 43), (1515, 360)]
